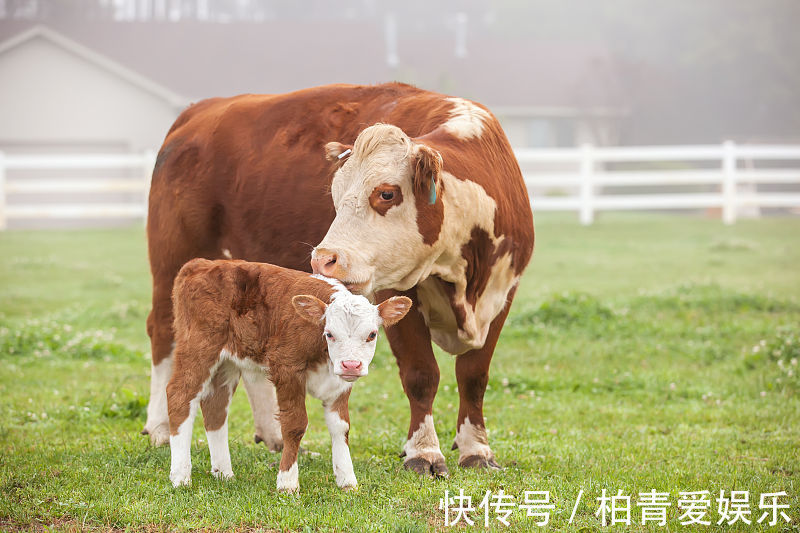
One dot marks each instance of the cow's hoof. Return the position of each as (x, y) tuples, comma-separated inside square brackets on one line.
[(478, 462), (289, 490), (273, 445), (434, 467), (159, 436), (349, 487)]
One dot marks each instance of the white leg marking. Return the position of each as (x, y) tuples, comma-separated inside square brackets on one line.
[(287, 481), (472, 440), (157, 425), (264, 404), (342, 464), (220, 453), (180, 472), (424, 442)]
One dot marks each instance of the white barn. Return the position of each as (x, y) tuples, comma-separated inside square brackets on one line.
[(58, 96)]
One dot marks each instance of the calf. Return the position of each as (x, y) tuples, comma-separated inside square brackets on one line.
[(262, 322)]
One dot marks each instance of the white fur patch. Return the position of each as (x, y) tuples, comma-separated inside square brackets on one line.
[(157, 417), (180, 471), (264, 404), (288, 480), (322, 384), (220, 453), (472, 440), (424, 441), (467, 120), (340, 451)]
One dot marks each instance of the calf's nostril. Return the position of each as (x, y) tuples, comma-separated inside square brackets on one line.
[(351, 365)]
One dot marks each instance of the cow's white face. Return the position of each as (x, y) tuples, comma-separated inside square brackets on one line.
[(375, 240), (351, 325)]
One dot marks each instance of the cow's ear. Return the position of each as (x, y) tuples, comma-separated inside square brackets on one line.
[(310, 308), (338, 152), (394, 309), (427, 170)]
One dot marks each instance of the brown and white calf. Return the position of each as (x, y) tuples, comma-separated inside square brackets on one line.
[(260, 322)]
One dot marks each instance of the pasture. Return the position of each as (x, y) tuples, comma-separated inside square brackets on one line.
[(642, 353)]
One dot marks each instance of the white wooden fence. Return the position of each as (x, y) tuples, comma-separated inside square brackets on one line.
[(580, 175), (722, 168)]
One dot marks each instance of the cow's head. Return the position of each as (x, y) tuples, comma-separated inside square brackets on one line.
[(351, 327), (387, 194)]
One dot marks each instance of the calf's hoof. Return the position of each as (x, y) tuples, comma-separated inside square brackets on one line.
[(479, 462), (159, 435), (180, 479), (427, 466), (272, 444), (222, 474)]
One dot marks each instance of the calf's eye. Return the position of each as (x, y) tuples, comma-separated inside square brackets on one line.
[(372, 336), (329, 335), (387, 195)]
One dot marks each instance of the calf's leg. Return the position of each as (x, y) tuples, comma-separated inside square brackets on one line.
[(215, 418), (291, 393), (472, 374), (337, 418), (410, 341)]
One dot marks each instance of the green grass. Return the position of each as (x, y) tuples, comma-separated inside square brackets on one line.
[(644, 352)]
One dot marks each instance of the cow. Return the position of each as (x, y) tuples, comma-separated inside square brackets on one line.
[(237, 319), (417, 194)]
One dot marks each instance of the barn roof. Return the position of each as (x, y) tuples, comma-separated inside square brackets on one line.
[(105, 63)]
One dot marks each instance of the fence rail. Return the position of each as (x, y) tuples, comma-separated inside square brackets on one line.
[(581, 175), (729, 168)]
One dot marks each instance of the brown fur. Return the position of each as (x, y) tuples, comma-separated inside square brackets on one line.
[(380, 205), (246, 309), (245, 174)]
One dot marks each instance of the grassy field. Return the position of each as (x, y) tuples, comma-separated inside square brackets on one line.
[(644, 352)]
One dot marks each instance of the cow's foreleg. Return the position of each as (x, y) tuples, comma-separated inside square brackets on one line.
[(410, 340), (264, 404), (472, 374), (159, 328), (291, 393), (337, 417), (215, 418)]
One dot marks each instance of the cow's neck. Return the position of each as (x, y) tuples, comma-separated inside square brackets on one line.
[(471, 274)]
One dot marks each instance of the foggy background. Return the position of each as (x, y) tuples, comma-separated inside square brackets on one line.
[(612, 72), (109, 77)]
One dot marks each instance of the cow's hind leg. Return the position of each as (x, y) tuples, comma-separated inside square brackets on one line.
[(410, 340), (261, 393), (215, 418), (472, 374), (159, 328)]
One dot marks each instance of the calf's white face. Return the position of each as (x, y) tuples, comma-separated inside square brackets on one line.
[(351, 327)]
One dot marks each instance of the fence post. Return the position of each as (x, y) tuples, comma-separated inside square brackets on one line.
[(728, 182), (587, 185), (3, 223), (148, 164)]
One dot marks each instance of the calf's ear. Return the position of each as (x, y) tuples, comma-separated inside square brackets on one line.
[(309, 307), (394, 309), (338, 152), (427, 168)]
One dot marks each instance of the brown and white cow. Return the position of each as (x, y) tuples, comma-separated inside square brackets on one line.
[(258, 322), (429, 203)]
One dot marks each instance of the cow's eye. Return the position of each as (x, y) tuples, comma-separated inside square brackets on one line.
[(329, 335), (387, 195), (372, 336)]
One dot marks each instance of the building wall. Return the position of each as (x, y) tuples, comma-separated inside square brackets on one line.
[(51, 97)]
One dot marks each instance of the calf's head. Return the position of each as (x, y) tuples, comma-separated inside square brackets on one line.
[(387, 195), (350, 326)]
